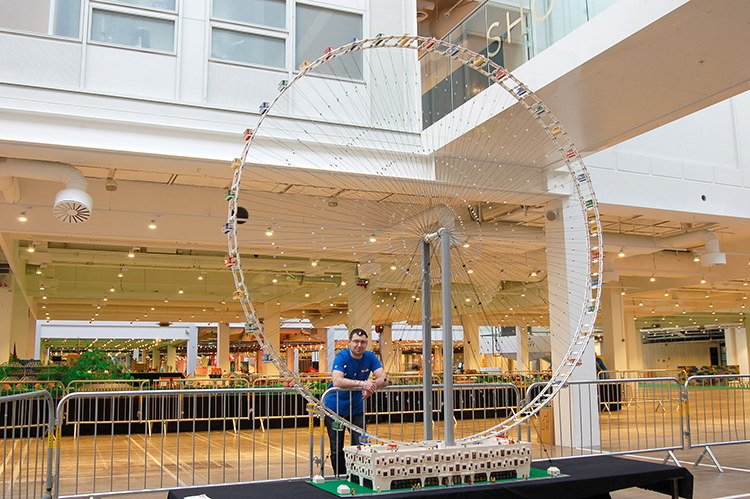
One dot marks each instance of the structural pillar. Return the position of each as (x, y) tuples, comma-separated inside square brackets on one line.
[(388, 353), (472, 356), (156, 359), (576, 421), (272, 330), (737, 343), (522, 349), (191, 350), (222, 348), (360, 311), (634, 347), (612, 315), (171, 357)]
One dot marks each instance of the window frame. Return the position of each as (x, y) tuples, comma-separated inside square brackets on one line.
[(78, 39), (325, 6), (149, 13), (250, 29)]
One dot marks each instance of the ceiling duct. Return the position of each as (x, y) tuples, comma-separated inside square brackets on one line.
[(632, 245), (72, 204)]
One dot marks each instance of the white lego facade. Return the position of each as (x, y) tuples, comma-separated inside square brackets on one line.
[(389, 467)]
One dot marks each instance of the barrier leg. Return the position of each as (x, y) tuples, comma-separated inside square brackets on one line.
[(671, 455), (707, 450)]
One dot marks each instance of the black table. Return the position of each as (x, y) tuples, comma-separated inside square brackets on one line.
[(592, 477)]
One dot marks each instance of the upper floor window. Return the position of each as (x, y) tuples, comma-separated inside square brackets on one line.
[(134, 27), (319, 28), (153, 4), (271, 13), (47, 17), (249, 48)]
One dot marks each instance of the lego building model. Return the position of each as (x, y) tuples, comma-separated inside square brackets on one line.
[(390, 467)]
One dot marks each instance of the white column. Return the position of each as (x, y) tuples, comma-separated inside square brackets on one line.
[(272, 330), (737, 342), (522, 349), (191, 350), (6, 314), (575, 417), (222, 347), (472, 358), (612, 315), (634, 345), (330, 349), (172, 357), (360, 310), (388, 351), (156, 358), (730, 340)]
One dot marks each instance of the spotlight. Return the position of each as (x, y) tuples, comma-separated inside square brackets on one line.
[(621, 254), (653, 278), (703, 280), (31, 248), (372, 238), (131, 253), (22, 217), (201, 276), (180, 291), (533, 273), (314, 263), (152, 225), (269, 232)]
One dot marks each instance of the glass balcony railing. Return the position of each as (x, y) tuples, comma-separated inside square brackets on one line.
[(508, 34)]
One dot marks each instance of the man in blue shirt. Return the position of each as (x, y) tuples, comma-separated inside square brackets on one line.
[(351, 372)]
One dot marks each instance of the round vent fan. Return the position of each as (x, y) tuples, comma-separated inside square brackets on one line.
[(72, 206)]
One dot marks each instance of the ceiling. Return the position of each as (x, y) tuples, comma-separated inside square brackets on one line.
[(177, 271)]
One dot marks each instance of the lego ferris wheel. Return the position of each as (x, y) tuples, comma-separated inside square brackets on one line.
[(398, 154)]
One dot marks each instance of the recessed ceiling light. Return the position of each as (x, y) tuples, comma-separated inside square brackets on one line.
[(22, 217)]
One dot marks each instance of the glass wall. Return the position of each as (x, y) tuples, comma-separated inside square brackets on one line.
[(509, 33), (132, 30)]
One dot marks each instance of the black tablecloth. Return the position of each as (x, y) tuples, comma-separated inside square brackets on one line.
[(592, 477)]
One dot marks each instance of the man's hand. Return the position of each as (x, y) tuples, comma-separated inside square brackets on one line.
[(368, 388)]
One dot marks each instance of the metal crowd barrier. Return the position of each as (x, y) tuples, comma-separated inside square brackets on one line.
[(251, 434), (106, 385), (28, 440), (627, 415), (14, 386), (717, 408)]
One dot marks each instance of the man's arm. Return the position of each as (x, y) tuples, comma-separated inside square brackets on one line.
[(339, 381)]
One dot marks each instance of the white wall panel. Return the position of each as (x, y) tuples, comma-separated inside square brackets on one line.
[(40, 61), (130, 72), (192, 60), (242, 87)]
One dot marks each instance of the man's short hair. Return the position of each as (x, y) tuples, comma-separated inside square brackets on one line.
[(359, 332)]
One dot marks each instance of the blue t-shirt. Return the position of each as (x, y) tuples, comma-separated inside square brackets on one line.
[(352, 368)]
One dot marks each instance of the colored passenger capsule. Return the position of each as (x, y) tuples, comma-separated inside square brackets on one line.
[(501, 74), (539, 110), (237, 295), (327, 52), (304, 65), (379, 36), (521, 91), (452, 51), (283, 84), (248, 134), (236, 163), (263, 109), (405, 40), (227, 228), (428, 44), (229, 195), (354, 43), (556, 130), (581, 177), (229, 261), (570, 153), (589, 203), (478, 61)]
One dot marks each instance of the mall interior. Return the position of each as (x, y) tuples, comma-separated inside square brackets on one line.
[(125, 126)]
